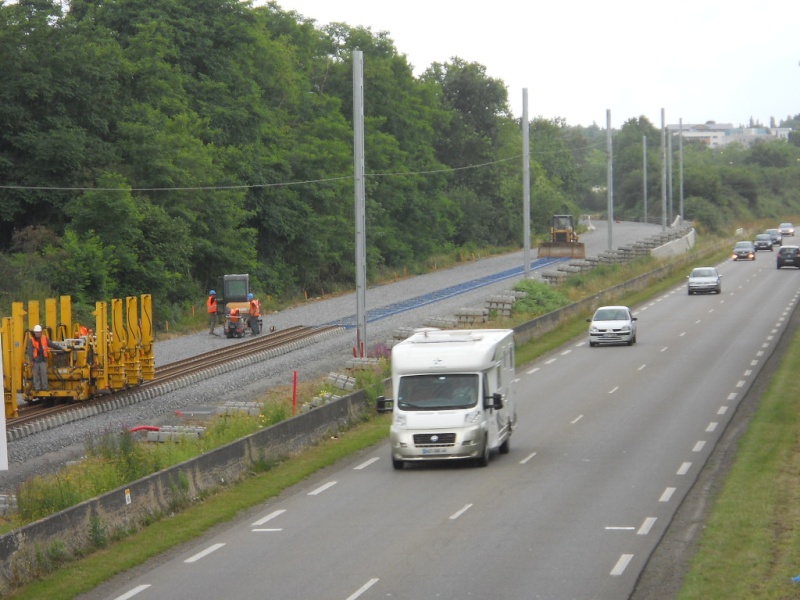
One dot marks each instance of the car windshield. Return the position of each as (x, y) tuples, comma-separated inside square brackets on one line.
[(611, 314), (704, 273), (743, 245), (763, 236), (789, 250), (438, 392)]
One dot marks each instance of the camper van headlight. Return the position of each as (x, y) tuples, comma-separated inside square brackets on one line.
[(472, 417), (400, 419)]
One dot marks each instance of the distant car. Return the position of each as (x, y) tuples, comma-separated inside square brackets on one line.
[(612, 325), (705, 280), (787, 229), (788, 256), (744, 251), (763, 241), (777, 236)]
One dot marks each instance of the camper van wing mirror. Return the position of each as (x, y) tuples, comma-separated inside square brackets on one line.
[(495, 401), (385, 405)]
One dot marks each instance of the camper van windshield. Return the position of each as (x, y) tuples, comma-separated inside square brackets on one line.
[(437, 392)]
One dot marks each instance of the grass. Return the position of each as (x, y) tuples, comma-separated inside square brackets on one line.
[(750, 547)]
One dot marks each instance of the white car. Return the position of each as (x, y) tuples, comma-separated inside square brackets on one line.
[(787, 229), (612, 325), (705, 279)]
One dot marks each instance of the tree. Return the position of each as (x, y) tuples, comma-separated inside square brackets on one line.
[(628, 181)]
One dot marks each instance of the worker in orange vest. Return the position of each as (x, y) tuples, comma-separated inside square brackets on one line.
[(211, 305), (38, 351), (254, 320)]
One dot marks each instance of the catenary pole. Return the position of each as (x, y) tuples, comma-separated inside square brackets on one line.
[(644, 175), (670, 177), (663, 173), (526, 183), (609, 180), (360, 224), (680, 164)]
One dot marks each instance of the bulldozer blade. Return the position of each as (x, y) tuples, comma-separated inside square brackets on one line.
[(562, 250)]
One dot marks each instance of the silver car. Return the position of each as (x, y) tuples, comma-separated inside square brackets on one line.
[(612, 325), (705, 280), (787, 229)]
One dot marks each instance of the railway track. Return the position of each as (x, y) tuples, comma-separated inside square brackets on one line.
[(38, 417)]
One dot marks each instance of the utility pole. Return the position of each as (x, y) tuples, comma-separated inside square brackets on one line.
[(670, 178), (663, 172), (526, 184), (644, 175), (680, 163), (610, 180), (360, 225)]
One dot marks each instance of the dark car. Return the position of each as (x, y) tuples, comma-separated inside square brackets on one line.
[(777, 236), (763, 241), (788, 256), (744, 251)]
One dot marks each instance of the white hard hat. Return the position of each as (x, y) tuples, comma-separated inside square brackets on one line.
[(37, 328)]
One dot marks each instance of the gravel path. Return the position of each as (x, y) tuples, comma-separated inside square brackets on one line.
[(49, 450)]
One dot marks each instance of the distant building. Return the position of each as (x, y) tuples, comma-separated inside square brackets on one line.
[(716, 135)]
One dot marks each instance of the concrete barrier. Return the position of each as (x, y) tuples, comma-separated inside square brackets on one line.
[(129, 507)]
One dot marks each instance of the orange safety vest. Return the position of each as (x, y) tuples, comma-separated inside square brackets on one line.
[(234, 315), (36, 345), (212, 304), (254, 308)]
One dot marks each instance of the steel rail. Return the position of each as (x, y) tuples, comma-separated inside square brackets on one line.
[(206, 361)]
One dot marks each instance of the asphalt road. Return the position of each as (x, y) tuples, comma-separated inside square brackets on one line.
[(610, 441)]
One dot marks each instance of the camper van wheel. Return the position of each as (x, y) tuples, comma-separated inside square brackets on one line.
[(397, 464), (483, 461), (505, 446)]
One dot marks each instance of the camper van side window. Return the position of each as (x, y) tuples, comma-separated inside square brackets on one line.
[(437, 392)]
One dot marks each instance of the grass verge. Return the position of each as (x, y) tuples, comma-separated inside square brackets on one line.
[(750, 546)]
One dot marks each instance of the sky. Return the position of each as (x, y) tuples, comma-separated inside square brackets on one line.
[(581, 60)]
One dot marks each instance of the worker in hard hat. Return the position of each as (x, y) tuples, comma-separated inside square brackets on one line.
[(254, 318), (235, 325), (211, 305), (38, 351)]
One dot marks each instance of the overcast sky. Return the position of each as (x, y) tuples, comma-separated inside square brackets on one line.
[(699, 60)]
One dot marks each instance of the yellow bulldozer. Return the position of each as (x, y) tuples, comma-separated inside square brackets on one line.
[(563, 240)]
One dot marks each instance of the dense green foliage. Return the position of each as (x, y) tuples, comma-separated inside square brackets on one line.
[(151, 146)]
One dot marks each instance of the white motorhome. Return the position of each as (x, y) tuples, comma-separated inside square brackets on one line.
[(453, 395)]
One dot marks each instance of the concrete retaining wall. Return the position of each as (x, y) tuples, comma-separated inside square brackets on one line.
[(129, 507)]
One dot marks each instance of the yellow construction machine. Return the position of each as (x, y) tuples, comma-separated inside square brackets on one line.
[(563, 240), (116, 354)]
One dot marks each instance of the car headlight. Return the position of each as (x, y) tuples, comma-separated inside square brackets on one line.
[(593, 329), (472, 417), (400, 419)]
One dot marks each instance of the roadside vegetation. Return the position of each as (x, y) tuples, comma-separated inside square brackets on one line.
[(750, 544)]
